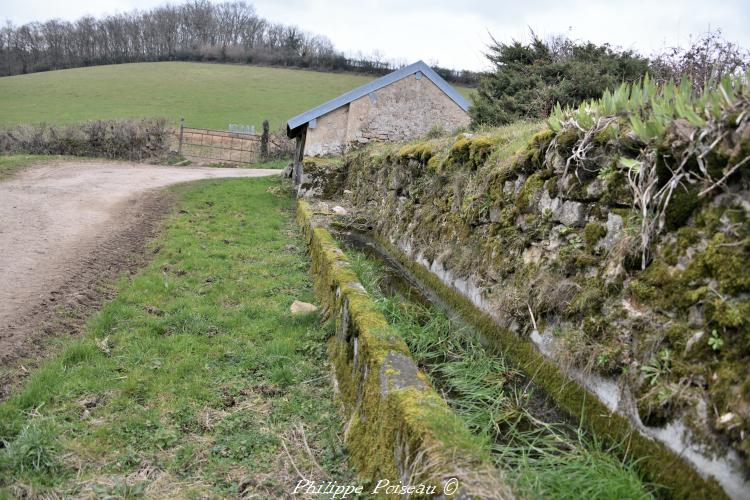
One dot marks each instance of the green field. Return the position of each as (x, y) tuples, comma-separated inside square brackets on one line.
[(206, 95)]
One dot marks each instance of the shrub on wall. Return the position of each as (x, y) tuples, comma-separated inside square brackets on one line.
[(528, 80), (134, 140)]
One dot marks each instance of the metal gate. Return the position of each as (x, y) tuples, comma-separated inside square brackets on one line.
[(217, 146)]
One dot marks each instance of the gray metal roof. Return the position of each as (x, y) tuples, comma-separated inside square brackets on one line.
[(372, 86)]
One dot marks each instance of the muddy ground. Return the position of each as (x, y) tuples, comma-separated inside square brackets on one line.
[(66, 231)]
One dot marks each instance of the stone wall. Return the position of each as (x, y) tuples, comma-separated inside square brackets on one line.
[(548, 250), (406, 109), (329, 135)]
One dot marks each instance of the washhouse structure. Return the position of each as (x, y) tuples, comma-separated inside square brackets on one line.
[(401, 105)]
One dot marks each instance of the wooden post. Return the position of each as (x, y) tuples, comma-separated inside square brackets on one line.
[(298, 154), (264, 142), (182, 126)]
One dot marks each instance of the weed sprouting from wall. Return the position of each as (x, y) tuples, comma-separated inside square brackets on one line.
[(654, 116)]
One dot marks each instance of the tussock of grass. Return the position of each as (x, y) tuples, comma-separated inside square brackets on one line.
[(195, 379), (543, 456), (33, 450)]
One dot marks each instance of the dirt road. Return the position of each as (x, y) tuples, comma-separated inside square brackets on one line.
[(68, 228)]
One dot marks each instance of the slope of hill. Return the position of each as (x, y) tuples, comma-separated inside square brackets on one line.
[(206, 95)]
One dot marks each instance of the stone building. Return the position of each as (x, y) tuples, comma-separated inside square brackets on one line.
[(401, 105)]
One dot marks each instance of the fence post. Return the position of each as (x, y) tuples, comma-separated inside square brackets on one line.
[(182, 126), (264, 142)]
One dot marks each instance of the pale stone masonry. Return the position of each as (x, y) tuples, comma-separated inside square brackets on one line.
[(405, 109), (402, 105)]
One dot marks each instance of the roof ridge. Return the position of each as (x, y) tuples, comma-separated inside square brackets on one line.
[(377, 84)]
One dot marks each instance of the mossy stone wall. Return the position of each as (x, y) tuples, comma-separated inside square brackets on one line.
[(549, 247)]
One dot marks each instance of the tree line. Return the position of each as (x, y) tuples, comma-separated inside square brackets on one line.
[(195, 31)]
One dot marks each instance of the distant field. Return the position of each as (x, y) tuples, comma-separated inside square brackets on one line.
[(206, 95)]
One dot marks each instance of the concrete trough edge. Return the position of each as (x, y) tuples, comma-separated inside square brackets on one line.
[(399, 428)]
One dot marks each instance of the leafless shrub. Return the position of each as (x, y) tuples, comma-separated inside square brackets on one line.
[(279, 145), (134, 140), (705, 61)]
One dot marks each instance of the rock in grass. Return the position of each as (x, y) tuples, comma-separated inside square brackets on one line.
[(298, 308), (339, 210)]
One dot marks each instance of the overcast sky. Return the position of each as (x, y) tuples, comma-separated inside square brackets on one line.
[(454, 33)]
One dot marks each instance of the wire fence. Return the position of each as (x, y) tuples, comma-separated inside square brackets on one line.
[(220, 146)]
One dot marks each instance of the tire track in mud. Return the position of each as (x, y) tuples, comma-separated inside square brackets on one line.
[(67, 231), (65, 309)]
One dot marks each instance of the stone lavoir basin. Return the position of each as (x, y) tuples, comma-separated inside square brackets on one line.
[(529, 439), (644, 347), (397, 282)]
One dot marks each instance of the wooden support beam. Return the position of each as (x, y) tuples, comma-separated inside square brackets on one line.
[(299, 153)]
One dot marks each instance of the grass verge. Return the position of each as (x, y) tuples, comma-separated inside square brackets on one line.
[(274, 164), (11, 165), (195, 381), (544, 457)]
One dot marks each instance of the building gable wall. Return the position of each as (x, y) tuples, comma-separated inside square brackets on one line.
[(329, 134), (405, 109)]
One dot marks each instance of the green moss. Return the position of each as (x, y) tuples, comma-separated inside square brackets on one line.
[(728, 313), (470, 152), (605, 135), (681, 206), (617, 191), (685, 237), (727, 263), (480, 150), (508, 216), (592, 233), (574, 257), (460, 151), (566, 139), (530, 188), (434, 164), (589, 299), (678, 334), (530, 157), (421, 151)]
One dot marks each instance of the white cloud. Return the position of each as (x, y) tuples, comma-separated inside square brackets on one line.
[(455, 33)]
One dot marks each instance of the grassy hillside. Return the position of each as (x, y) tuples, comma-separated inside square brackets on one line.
[(206, 95)]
